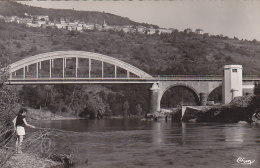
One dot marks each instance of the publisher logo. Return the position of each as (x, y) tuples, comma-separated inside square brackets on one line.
[(244, 161)]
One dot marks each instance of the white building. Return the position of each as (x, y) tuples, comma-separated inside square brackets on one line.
[(118, 28), (98, 27), (33, 25), (165, 31), (199, 31), (79, 28), (151, 31), (232, 83), (41, 17), (10, 19), (188, 30), (140, 29), (41, 22), (89, 26), (59, 26), (126, 29), (69, 28)]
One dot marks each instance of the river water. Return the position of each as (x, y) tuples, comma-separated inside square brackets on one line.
[(131, 143)]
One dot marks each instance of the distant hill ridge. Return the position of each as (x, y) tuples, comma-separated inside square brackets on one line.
[(11, 8)]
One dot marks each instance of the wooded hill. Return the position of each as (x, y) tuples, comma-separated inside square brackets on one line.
[(11, 8)]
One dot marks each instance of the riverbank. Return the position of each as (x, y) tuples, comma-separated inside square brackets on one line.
[(26, 160), (38, 114)]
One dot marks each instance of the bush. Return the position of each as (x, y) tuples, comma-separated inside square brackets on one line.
[(18, 44), (33, 49), (55, 42), (8, 100)]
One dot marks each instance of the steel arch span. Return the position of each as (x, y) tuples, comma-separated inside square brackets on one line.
[(77, 54)]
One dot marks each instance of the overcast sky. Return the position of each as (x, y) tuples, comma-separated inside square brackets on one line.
[(240, 18)]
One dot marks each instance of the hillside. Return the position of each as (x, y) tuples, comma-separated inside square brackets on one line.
[(166, 54), (157, 54), (9, 8)]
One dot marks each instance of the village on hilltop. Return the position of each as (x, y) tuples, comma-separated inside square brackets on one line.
[(43, 21)]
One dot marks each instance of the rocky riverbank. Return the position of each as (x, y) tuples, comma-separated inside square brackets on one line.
[(218, 114), (26, 160), (238, 110)]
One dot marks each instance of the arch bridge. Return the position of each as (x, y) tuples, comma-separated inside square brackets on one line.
[(80, 67)]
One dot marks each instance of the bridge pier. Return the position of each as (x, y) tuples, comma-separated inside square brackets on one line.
[(154, 98), (203, 98)]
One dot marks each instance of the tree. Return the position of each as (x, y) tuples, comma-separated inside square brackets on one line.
[(94, 107), (254, 104), (139, 110), (125, 108), (8, 99)]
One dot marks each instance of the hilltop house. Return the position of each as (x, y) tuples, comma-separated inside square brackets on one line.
[(198, 31), (188, 30), (89, 26), (126, 28), (165, 31), (117, 28), (43, 18), (140, 29), (58, 25), (24, 20), (152, 31), (10, 19), (42, 21), (32, 25), (98, 27)]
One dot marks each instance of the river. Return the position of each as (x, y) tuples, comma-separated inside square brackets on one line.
[(131, 143)]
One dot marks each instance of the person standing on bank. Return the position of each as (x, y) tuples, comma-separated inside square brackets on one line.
[(19, 123)]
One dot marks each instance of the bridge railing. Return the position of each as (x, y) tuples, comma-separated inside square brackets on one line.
[(188, 77), (202, 77), (251, 77)]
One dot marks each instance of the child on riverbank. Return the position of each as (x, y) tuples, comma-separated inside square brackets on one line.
[(19, 123)]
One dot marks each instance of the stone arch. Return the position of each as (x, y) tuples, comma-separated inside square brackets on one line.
[(215, 93), (192, 89)]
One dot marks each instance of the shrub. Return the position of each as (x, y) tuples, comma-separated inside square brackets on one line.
[(8, 100)]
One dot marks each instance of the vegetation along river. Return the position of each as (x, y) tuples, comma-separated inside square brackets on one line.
[(128, 143)]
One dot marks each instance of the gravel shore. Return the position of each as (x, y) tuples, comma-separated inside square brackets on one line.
[(25, 160)]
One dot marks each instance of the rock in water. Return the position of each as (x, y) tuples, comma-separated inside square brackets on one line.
[(176, 116), (191, 114)]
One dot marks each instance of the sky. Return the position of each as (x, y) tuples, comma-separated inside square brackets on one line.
[(240, 18)]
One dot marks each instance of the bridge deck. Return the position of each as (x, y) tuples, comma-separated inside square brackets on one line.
[(97, 80)]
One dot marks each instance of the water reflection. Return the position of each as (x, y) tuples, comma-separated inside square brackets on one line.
[(234, 135), (183, 132), (158, 133)]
